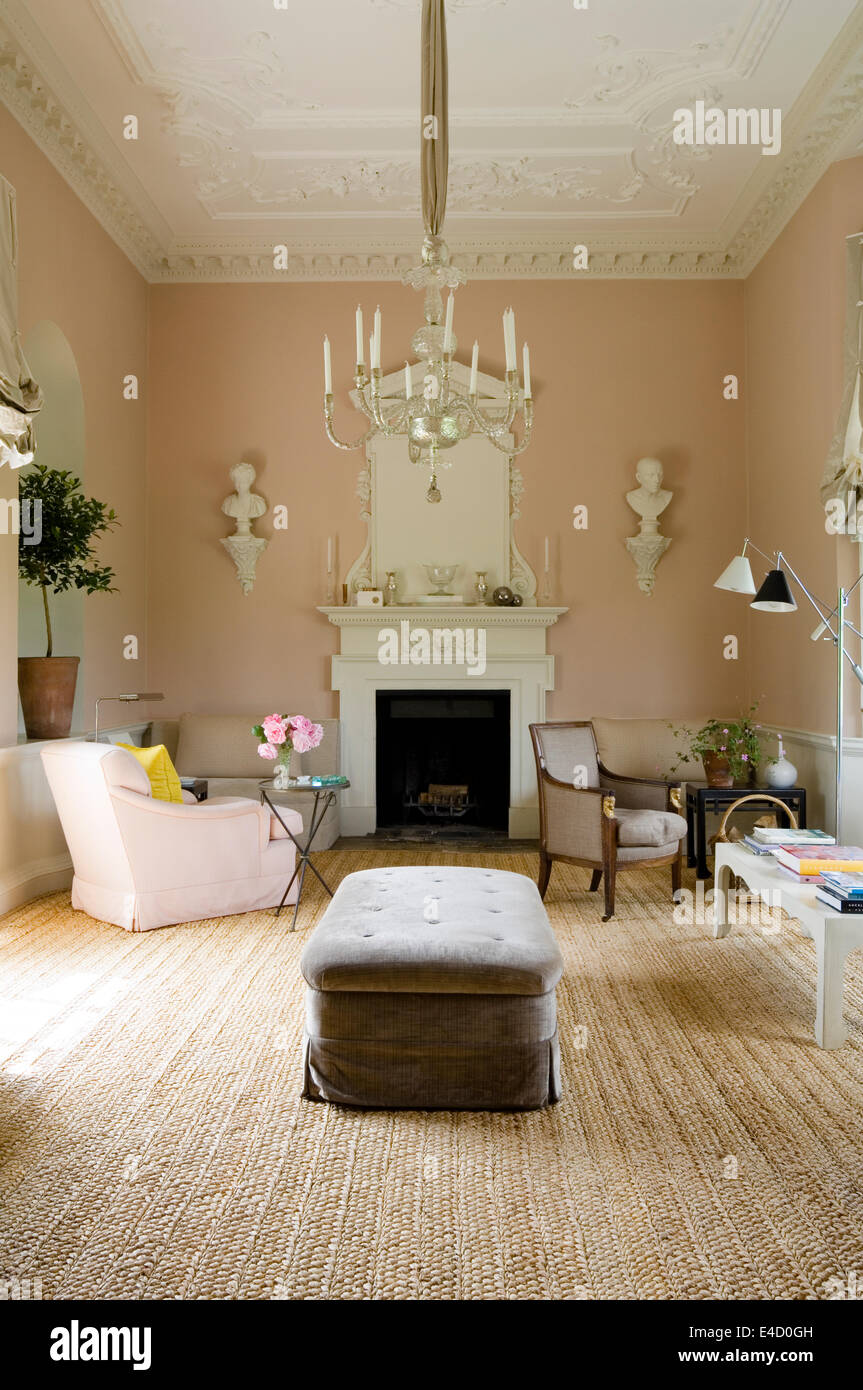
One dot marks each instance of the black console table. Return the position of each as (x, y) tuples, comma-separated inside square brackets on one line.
[(700, 799)]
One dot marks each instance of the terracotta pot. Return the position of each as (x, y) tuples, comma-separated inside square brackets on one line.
[(46, 685), (717, 770)]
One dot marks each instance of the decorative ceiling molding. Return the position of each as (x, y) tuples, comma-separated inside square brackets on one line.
[(477, 183), (634, 82), (812, 138), (822, 120), (481, 262), (28, 96), (231, 83)]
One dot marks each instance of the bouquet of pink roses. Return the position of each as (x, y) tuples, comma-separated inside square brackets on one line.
[(281, 734)]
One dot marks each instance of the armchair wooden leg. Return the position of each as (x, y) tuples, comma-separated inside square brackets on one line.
[(609, 893), (609, 863), (675, 874), (545, 863), (595, 879)]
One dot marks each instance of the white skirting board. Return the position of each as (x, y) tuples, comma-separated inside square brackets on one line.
[(34, 879)]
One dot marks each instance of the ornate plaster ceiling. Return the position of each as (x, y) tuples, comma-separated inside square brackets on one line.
[(260, 125)]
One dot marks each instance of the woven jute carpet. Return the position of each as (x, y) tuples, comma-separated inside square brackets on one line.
[(153, 1143)]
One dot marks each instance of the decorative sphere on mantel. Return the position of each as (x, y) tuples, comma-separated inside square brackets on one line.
[(503, 596)]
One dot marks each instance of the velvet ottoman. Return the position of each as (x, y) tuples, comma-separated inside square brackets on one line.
[(433, 988)]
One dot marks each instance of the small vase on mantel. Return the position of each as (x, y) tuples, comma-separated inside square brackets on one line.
[(282, 774), (481, 586)]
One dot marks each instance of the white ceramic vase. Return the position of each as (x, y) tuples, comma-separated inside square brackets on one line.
[(780, 773)]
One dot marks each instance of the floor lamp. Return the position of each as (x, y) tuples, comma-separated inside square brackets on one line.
[(126, 700), (775, 596)]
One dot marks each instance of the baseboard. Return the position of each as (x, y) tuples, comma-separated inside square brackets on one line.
[(34, 879), (524, 822)]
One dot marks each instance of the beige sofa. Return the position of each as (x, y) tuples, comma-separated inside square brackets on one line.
[(222, 749), (646, 747)]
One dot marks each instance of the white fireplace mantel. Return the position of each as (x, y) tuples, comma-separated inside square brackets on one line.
[(516, 659)]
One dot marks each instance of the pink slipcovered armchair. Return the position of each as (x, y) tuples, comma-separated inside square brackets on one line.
[(142, 863)]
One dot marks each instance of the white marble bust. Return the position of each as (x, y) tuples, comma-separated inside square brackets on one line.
[(244, 505), (649, 499)]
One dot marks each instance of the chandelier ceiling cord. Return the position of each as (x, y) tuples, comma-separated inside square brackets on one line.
[(437, 416)]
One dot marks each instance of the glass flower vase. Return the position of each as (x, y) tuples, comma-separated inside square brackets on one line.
[(282, 775)]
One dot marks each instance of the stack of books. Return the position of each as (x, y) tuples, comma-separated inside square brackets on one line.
[(841, 892), (766, 839), (807, 863)]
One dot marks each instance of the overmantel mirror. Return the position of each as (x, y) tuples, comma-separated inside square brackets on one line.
[(471, 526)]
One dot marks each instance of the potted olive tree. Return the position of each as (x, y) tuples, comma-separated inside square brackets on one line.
[(63, 559)]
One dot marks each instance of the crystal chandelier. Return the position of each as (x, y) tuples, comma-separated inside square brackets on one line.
[(437, 415)]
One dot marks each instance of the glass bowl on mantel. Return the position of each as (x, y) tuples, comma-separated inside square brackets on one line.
[(441, 576)]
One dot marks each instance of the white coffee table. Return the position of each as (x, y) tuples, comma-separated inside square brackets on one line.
[(834, 934)]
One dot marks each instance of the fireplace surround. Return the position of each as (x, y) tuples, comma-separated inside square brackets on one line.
[(516, 661)]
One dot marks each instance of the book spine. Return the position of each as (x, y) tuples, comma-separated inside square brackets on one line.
[(841, 890), (817, 866), (840, 904)]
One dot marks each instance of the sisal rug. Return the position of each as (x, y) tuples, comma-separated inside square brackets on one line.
[(153, 1143)]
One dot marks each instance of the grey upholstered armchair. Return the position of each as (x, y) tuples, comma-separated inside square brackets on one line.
[(581, 821)]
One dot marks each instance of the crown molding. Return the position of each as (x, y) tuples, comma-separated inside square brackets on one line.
[(481, 259), (57, 132), (821, 120), (818, 125)]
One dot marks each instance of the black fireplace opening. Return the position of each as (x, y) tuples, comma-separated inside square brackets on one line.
[(443, 760)]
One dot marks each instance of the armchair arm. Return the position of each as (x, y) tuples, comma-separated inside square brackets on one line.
[(170, 844), (642, 793), (573, 818)]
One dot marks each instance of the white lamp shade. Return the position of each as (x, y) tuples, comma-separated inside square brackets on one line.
[(737, 577)]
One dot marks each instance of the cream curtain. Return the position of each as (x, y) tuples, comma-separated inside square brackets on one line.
[(434, 161), (20, 397), (843, 472)]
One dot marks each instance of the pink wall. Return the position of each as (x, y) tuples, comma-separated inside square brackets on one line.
[(621, 370), (795, 313), (72, 272)]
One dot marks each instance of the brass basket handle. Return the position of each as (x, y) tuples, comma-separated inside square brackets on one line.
[(754, 796)]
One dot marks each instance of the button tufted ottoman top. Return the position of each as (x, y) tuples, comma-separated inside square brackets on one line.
[(434, 930)]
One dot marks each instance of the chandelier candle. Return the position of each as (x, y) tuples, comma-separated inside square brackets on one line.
[(474, 363), (328, 368), (376, 359), (509, 338), (447, 333), (526, 359), (360, 358), (409, 389)]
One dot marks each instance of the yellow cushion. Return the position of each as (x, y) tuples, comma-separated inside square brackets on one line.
[(164, 781)]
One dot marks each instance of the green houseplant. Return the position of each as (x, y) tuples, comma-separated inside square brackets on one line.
[(730, 750), (63, 559)]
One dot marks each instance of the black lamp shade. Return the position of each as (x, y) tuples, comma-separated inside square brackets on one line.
[(774, 596)]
